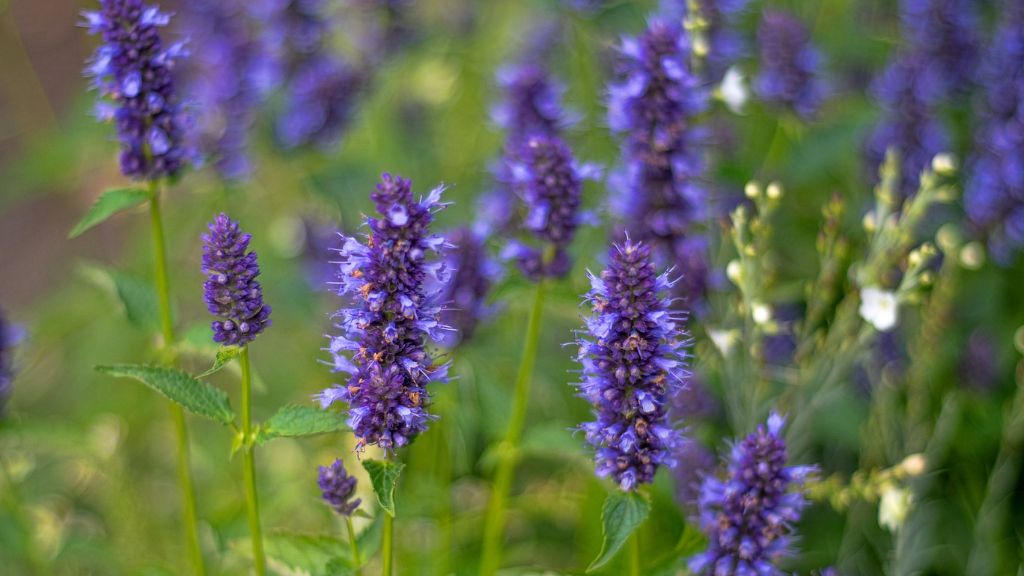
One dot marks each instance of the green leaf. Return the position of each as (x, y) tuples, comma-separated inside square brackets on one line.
[(292, 421), (295, 553), (109, 203), (623, 512), (137, 297), (193, 395), (225, 354), (384, 475)]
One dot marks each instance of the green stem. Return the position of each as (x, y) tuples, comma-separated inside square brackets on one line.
[(354, 545), (251, 498), (494, 525), (634, 554), (385, 547), (32, 553), (177, 413)]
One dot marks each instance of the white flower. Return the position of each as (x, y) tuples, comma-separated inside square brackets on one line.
[(724, 340), (879, 308), (761, 312), (733, 91), (894, 506)]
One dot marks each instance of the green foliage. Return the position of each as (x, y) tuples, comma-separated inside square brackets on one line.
[(225, 354), (193, 395), (306, 554), (135, 295), (294, 421), (108, 204), (384, 476), (622, 514)]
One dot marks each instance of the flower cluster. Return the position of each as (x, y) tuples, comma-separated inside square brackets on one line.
[(467, 290), (133, 72), (908, 90), (633, 361), (749, 515), (994, 195), (321, 88), (396, 289), (549, 182), (338, 488), (790, 75), (227, 79), (659, 189), (944, 33), (232, 292)]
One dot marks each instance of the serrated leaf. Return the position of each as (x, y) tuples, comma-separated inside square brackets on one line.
[(193, 395), (137, 297), (384, 475), (623, 512), (109, 203), (225, 354), (293, 421), (308, 554)]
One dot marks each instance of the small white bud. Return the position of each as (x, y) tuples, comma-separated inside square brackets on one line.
[(761, 312), (972, 256), (774, 191), (869, 222), (944, 164), (734, 271), (880, 308), (894, 506), (914, 465), (752, 190)]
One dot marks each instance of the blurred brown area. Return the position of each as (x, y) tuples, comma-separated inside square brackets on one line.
[(41, 57)]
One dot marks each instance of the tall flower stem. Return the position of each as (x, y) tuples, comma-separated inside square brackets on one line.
[(634, 554), (490, 559), (251, 498), (386, 544), (177, 413), (354, 546)]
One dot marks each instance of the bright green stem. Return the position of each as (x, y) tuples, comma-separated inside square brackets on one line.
[(163, 291), (634, 554), (251, 498), (357, 562), (386, 544), (490, 559)]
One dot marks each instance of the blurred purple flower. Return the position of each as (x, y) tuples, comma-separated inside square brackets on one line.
[(946, 34), (232, 292), (633, 361), (10, 335), (748, 517), (693, 463), (395, 290), (659, 190), (790, 75), (466, 293), (338, 488), (132, 71), (227, 79), (726, 44), (994, 195)]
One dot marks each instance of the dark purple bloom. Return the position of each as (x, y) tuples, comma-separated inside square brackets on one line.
[(549, 182), (227, 80), (321, 88), (748, 516), (659, 189), (395, 288), (909, 91), (232, 292), (466, 292), (338, 488), (133, 72), (9, 337), (633, 361), (725, 42), (790, 75), (946, 34), (994, 195)]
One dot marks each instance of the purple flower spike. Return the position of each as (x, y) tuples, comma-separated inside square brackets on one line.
[(338, 488), (790, 75), (659, 190), (994, 195), (10, 335), (132, 71), (946, 34), (395, 288), (466, 293), (530, 103), (549, 182), (633, 361), (232, 292), (748, 517)]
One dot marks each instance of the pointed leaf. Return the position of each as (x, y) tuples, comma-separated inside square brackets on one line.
[(109, 203), (384, 475), (137, 296), (193, 395), (292, 421), (623, 512), (225, 354)]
